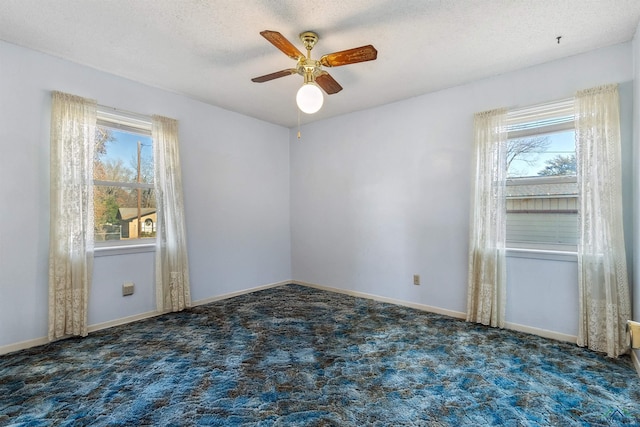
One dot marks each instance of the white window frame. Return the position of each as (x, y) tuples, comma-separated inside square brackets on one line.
[(138, 124), (536, 120)]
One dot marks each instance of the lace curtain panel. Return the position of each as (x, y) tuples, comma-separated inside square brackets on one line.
[(602, 270), (486, 294), (172, 265), (73, 121)]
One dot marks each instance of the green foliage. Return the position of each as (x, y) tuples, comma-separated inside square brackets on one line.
[(111, 210)]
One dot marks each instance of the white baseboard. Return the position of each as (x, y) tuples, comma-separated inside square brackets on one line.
[(23, 345), (451, 313), (122, 321), (423, 307), (559, 336), (238, 293)]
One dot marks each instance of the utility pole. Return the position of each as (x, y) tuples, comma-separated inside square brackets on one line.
[(139, 194)]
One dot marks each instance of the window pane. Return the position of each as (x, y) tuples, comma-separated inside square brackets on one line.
[(550, 154), (121, 212), (118, 216), (556, 228), (542, 191), (122, 156)]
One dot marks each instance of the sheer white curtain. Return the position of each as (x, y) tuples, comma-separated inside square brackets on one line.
[(172, 265), (486, 294), (602, 270), (73, 121)]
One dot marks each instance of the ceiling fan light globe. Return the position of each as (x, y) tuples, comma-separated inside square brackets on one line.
[(309, 98)]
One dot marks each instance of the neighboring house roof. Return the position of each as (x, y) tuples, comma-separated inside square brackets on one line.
[(522, 188), (127, 214)]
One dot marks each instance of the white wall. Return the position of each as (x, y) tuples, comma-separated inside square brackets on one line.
[(373, 196), (235, 176), (382, 194)]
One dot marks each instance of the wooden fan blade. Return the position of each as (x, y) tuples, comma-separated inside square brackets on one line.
[(327, 83), (276, 75), (350, 56), (279, 41)]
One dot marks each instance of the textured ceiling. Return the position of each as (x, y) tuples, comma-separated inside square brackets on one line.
[(210, 50)]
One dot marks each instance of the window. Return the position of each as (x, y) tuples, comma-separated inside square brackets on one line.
[(541, 189), (124, 197)]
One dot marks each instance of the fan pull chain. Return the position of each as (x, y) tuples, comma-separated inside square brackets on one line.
[(298, 123)]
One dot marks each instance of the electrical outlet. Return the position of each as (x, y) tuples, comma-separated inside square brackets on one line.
[(416, 279), (127, 288)]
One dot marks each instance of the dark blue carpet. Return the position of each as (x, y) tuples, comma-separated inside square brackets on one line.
[(296, 356)]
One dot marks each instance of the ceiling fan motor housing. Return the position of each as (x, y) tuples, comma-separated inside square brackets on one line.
[(309, 39), (308, 68)]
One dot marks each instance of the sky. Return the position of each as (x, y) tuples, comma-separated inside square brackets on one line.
[(561, 143), (125, 147)]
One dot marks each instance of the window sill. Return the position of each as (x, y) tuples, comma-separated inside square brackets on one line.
[(569, 256), (100, 251)]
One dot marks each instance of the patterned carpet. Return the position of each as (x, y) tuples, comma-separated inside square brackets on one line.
[(296, 356)]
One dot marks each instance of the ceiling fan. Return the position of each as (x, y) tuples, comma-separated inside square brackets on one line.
[(309, 97)]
